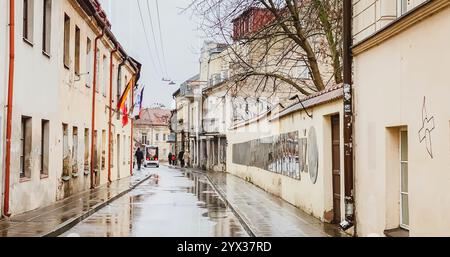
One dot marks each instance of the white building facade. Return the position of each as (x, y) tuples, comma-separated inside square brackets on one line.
[(52, 111)]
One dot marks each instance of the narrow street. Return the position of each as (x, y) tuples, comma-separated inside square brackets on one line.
[(185, 203), (180, 204)]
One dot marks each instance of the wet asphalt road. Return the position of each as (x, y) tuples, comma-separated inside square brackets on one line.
[(178, 205)]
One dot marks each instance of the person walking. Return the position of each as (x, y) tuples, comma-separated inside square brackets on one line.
[(170, 158), (187, 158), (181, 158), (139, 157), (174, 159)]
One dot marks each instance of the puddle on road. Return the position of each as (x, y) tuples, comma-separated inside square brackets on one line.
[(180, 204)]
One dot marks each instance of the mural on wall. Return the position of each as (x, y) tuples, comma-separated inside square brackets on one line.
[(278, 154), (428, 126)]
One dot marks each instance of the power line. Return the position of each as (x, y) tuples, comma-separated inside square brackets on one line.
[(154, 37), (160, 36), (146, 38)]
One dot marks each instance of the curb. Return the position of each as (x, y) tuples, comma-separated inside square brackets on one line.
[(236, 213), (67, 225)]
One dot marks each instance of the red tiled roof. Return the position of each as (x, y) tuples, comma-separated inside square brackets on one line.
[(154, 117)]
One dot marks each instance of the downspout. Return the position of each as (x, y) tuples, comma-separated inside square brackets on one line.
[(9, 107), (350, 219), (110, 109), (94, 89)]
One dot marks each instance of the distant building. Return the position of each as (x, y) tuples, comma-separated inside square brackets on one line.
[(152, 129)]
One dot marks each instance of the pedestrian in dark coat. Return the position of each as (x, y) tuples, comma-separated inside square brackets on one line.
[(139, 157), (170, 158)]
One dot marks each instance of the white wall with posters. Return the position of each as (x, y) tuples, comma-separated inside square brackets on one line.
[(303, 186)]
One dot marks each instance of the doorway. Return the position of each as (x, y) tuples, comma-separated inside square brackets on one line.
[(336, 167)]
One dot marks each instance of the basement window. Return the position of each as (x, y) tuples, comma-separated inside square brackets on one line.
[(75, 150), (66, 150), (25, 148), (86, 150), (103, 149), (45, 147)]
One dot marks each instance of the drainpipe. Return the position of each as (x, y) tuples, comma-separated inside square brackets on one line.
[(9, 107), (110, 109), (94, 89), (350, 220)]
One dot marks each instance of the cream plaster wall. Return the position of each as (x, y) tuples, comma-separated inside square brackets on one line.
[(391, 81), (315, 199)]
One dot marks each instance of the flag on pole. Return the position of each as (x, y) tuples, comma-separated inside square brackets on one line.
[(137, 108), (124, 97)]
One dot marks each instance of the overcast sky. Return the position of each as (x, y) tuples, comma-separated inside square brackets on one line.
[(182, 42)]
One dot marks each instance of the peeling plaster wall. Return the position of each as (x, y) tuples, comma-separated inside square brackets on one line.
[(315, 199), (391, 81), (4, 50)]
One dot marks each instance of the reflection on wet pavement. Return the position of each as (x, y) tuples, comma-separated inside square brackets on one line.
[(179, 204)]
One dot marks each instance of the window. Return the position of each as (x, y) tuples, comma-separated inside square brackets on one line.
[(97, 75), (66, 41), (86, 150), (144, 138), (404, 190), (77, 50), (45, 147), (25, 147), (75, 150), (88, 62), (66, 150), (47, 26), (28, 18), (103, 154), (105, 75), (157, 137), (164, 137)]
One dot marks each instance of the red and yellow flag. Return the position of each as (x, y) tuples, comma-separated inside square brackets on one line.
[(125, 94)]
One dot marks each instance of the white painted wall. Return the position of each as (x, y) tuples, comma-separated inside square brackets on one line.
[(44, 89)]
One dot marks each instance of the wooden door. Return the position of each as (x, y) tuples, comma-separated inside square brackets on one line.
[(336, 164)]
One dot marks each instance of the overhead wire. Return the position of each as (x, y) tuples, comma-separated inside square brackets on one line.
[(147, 40), (152, 28)]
